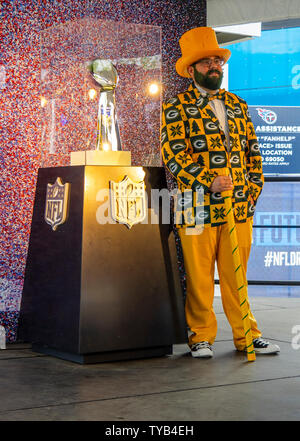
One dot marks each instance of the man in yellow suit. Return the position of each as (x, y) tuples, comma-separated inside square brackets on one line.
[(209, 142)]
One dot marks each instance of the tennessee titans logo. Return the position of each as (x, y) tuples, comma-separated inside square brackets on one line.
[(268, 116)]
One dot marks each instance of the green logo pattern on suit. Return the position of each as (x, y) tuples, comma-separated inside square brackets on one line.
[(194, 150)]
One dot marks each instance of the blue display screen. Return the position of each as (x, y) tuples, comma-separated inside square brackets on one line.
[(275, 253), (265, 71), (278, 133), (278, 199)]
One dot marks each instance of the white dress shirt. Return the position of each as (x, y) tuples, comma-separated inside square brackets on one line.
[(218, 107)]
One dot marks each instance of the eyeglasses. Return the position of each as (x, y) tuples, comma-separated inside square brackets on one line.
[(208, 62)]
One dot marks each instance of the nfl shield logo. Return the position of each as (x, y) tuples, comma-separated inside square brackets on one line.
[(57, 201), (128, 201)]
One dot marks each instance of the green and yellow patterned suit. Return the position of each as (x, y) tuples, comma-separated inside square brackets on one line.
[(194, 151)]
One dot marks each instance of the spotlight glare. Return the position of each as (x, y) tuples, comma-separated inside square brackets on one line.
[(92, 93), (153, 88), (141, 174), (43, 101), (106, 146)]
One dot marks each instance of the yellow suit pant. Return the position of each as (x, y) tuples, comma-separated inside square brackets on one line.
[(200, 253)]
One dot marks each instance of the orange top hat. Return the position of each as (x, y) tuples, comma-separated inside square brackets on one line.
[(196, 44)]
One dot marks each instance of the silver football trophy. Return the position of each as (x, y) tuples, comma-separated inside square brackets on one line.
[(106, 75)]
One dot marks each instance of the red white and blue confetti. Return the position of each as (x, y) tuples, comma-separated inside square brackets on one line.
[(27, 126)]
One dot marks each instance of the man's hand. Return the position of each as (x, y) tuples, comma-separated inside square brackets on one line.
[(221, 183)]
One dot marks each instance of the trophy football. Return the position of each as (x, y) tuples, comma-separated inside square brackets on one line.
[(108, 149), (106, 75)]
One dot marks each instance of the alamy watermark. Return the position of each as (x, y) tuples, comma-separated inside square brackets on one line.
[(296, 339), (184, 208), (2, 338)]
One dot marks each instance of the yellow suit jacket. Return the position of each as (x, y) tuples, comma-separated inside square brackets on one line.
[(194, 151)]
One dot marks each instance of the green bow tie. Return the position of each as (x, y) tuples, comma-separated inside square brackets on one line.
[(218, 96), (203, 100)]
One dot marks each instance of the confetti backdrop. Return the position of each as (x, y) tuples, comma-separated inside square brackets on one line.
[(23, 23), (69, 111)]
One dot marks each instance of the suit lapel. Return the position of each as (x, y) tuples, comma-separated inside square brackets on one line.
[(232, 126)]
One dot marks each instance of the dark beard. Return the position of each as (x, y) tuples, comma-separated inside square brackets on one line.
[(211, 83)]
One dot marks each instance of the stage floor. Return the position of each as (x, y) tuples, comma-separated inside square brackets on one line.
[(173, 388)]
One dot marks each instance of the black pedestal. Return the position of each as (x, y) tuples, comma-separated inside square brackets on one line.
[(100, 292)]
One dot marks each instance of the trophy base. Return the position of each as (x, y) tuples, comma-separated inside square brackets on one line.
[(102, 357), (100, 157), (94, 289)]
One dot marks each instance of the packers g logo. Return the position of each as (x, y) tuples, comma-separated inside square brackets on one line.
[(255, 148), (216, 196), (218, 160), (239, 194), (173, 167), (251, 208), (172, 114), (210, 126), (194, 169), (200, 101), (199, 144), (202, 215), (178, 146), (163, 136), (237, 111), (255, 180), (235, 159), (172, 101), (192, 110), (185, 200), (230, 113)]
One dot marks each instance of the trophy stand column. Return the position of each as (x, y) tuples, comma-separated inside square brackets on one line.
[(98, 291)]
